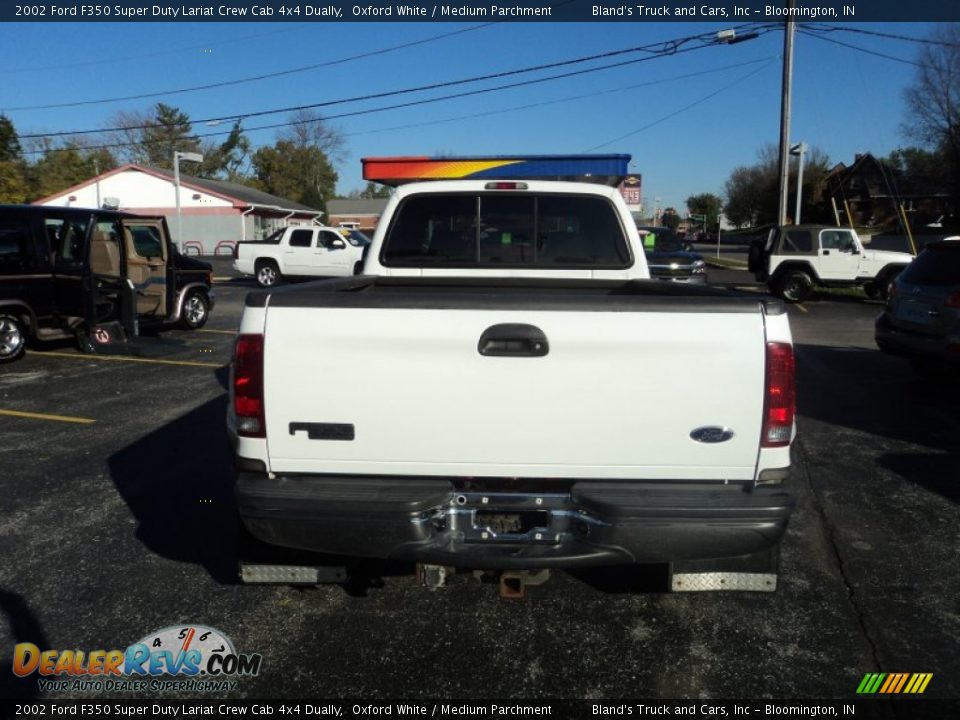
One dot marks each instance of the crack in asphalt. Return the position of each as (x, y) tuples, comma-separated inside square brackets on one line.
[(834, 548)]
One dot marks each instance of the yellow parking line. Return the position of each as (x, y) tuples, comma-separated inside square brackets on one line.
[(221, 332), (127, 358), (801, 308), (42, 416)]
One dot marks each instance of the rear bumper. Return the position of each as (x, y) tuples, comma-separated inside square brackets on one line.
[(898, 341), (586, 523), (698, 279)]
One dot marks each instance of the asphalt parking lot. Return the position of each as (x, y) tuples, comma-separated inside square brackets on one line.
[(116, 522)]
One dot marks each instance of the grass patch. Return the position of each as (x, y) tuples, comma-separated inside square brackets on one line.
[(851, 292)]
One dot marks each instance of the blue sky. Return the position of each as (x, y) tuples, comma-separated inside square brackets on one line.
[(845, 101)]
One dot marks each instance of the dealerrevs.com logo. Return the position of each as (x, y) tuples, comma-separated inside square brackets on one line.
[(183, 657)]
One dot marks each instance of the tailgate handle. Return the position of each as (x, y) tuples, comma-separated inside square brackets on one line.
[(513, 340)]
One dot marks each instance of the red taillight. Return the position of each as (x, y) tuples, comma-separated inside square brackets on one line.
[(779, 404), (248, 386), (953, 300)]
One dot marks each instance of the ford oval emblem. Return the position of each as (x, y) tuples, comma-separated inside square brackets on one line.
[(711, 434)]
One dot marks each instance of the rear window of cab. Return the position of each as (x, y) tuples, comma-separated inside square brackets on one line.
[(506, 230)]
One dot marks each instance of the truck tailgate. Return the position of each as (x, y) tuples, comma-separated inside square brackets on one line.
[(405, 391)]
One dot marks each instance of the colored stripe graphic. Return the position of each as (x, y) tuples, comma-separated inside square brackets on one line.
[(894, 683)]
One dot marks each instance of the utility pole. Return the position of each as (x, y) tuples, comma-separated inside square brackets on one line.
[(784, 167)]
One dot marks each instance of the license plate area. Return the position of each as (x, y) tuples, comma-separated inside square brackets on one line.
[(518, 523), (512, 518)]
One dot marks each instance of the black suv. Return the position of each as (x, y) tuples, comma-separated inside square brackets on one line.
[(93, 275)]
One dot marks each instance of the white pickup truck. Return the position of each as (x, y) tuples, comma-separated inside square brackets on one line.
[(300, 251), (516, 410)]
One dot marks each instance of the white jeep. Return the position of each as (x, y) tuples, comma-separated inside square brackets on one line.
[(795, 258)]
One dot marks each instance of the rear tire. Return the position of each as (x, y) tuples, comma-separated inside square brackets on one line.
[(13, 338), (794, 286), (195, 311), (268, 274)]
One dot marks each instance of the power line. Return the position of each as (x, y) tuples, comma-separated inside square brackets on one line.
[(557, 101), (824, 27), (469, 116), (254, 78), (659, 49), (810, 33), (680, 110)]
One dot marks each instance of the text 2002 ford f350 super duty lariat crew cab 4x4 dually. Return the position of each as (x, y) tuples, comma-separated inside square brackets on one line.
[(510, 411)]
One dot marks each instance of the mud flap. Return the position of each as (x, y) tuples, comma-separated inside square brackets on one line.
[(754, 573)]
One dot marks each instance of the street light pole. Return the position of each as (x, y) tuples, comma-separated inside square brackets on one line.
[(799, 149), (719, 216), (177, 157), (785, 112)]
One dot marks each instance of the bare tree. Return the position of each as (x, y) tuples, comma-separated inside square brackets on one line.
[(934, 98), (128, 137), (933, 101), (309, 129)]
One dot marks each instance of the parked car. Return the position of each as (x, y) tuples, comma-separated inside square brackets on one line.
[(922, 318), (795, 258), (669, 258), (300, 251), (88, 273)]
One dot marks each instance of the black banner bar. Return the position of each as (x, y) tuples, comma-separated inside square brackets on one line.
[(336, 11), (856, 708)]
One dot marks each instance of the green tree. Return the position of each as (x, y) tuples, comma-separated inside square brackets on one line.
[(752, 191), (745, 189), (226, 160), (303, 174), (9, 142), (151, 137), (372, 190), (13, 180), (709, 206), (60, 167), (169, 131)]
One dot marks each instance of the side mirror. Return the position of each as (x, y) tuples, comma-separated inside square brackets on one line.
[(337, 244)]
